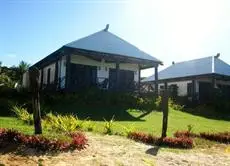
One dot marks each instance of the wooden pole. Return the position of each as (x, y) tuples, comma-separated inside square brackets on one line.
[(34, 87), (165, 111)]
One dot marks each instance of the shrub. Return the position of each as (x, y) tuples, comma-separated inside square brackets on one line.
[(79, 141), (66, 123), (170, 142), (223, 137), (158, 103), (183, 142), (175, 106), (22, 114), (89, 125), (180, 134), (108, 126), (128, 129)]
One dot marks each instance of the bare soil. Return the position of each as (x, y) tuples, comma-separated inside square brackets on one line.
[(117, 151)]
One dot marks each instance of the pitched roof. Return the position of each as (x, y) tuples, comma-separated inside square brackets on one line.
[(207, 65), (106, 42)]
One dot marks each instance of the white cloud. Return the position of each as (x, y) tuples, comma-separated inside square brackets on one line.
[(11, 55)]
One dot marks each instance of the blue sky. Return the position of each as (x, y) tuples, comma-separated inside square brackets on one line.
[(168, 30)]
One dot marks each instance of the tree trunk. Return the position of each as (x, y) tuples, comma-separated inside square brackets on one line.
[(34, 87), (165, 112)]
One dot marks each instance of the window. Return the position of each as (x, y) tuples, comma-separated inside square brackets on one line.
[(189, 89)]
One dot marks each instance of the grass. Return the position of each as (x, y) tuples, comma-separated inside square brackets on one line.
[(177, 120), (150, 123)]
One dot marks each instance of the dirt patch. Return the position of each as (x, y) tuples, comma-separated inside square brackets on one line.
[(117, 151)]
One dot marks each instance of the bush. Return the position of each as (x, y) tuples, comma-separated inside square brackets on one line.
[(22, 114), (79, 141), (223, 137), (175, 106), (89, 125), (181, 134), (170, 142), (108, 126), (66, 123)]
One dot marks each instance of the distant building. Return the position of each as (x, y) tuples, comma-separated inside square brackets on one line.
[(195, 78)]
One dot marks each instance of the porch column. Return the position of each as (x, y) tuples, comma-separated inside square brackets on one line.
[(139, 78), (193, 90), (117, 75), (156, 80), (67, 74), (56, 82), (41, 83)]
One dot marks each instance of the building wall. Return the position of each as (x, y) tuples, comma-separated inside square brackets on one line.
[(62, 71), (52, 73), (182, 87), (25, 80), (103, 67)]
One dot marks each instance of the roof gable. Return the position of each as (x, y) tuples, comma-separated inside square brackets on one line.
[(106, 42)]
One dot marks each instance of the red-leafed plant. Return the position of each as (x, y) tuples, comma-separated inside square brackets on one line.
[(223, 137), (170, 142), (79, 141), (185, 133)]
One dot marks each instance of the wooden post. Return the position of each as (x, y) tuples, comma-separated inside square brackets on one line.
[(41, 83), (156, 81), (67, 74), (34, 87), (139, 79), (117, 76), (165, 111)]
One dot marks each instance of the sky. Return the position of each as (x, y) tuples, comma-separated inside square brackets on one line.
[(169, 30)]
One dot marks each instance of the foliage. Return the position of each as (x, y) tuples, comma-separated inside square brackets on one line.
[(158, 103), (175, 106), (223, 137), (66, 123), (108, 126), (89, 125), (22, 114), (79, 141), (182, 142), (128, 129), (190, 127), (180, 134), (6, 81)]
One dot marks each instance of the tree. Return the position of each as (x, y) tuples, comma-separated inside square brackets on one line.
[(21, 69)]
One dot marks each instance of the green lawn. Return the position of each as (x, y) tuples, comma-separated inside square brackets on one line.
[(149, 123), (177, 120)]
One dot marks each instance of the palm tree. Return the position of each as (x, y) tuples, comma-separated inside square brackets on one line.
[(21, 69)]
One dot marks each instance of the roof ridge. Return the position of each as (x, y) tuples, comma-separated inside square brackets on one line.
[(192, 60)]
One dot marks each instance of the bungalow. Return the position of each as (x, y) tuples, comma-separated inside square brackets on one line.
[(195, 78), (101, 59)]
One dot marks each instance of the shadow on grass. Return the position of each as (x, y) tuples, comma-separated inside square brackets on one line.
[(208, 112), (96, 113)]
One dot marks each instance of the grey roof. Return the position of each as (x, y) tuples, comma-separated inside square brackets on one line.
[(106, 42), (207, 65)]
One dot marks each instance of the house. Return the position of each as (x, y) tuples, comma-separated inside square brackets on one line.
[(101, 59), (195, 78)]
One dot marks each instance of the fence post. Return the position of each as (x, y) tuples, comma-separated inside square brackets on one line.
[(34, 88), (165, 111)]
